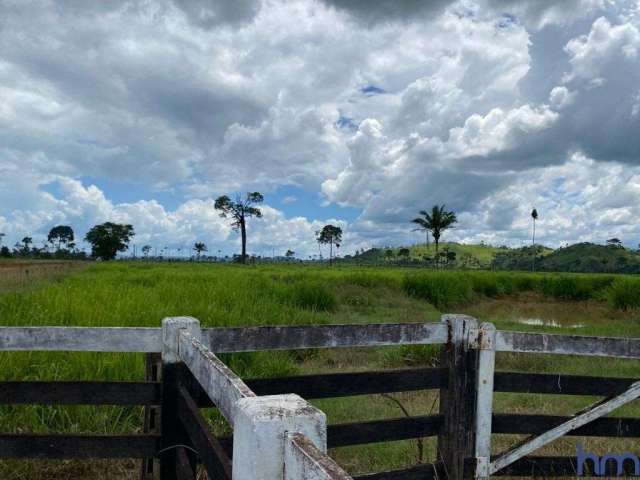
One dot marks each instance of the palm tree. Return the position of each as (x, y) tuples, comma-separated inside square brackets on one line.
[(199, 247), (534, 216), (436, 222)]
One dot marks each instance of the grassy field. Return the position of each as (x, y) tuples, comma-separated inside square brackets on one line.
[(141, 294)]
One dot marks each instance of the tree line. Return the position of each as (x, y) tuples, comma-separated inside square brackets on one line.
[(108, 239)]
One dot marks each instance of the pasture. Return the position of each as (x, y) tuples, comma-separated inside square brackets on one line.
[(141, 294)]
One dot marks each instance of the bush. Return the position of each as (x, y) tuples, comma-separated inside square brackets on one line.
[(624, 293), (441, 289)]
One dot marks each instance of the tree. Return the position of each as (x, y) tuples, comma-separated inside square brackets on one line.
[(436, 222), (330, 235), (5, 252), (289, 254), (107, 239), (62, 234), (388, 253), (534, 217), (199, 247), (23, 247), (615, 242), (2, 235), (404, 253), (146, 249), (239, 211)]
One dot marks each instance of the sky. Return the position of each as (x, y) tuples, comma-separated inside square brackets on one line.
[(145, 111)]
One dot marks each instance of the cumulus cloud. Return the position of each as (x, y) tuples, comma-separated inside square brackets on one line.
[(387, 109)]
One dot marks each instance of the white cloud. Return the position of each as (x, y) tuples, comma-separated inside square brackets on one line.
[(388, 108)]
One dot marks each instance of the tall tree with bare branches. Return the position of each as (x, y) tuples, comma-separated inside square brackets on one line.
[(238, 212)]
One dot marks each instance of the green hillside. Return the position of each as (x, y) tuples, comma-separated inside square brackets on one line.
[(589, 257), (466, 255), (579, 258)]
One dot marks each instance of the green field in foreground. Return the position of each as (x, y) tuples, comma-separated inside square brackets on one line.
[(141, 294)]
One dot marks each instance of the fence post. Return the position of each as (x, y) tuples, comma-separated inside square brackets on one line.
[(485, 343), (153, 370), (260, 429), (172, 433), (456, 442)]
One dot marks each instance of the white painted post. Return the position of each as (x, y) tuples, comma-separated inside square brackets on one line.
[(260, 429), (171, 327), (486, 345)]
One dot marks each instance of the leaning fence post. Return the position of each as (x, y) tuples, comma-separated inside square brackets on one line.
[(456, 442), (172, 434), (260, 429), (485, 342)]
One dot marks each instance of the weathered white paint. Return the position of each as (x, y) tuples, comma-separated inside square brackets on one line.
[(250, 339), (81, 339), (171, 329), (615, 347), (484, 341), (303, 460), (260, 432), (223, 386), (599, 410), (223, 340)]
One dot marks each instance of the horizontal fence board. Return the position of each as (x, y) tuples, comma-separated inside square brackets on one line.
[(356, 383), (550, 383), (66, 446), (419, 472), (222, 340), (250, 339), (344, 434), (80, 393), (210, 451), (81, 339), (522, 342), (537, 424)]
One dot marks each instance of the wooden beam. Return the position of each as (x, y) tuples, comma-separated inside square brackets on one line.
[(330, 385), (183, 465), (62, 446), (303, 460), (597, 411), (552, 383), (81, 339), (358, 433), (250, 339), (537, 424), (80, 393), (457, 401), (222, 385), (616, 347), (210, 451)]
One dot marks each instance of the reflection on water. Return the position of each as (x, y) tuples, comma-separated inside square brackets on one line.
[(539, 322)]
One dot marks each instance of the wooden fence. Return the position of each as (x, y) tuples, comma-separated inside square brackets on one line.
[(277, 434)]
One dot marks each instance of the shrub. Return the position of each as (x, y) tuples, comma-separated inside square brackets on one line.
[(624, 293), (441, 289)]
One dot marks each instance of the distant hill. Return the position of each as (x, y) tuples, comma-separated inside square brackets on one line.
[(466, 255), (589, 257), (579, 258)]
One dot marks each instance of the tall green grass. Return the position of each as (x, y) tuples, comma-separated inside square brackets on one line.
[(624, 293), (446, 289)]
